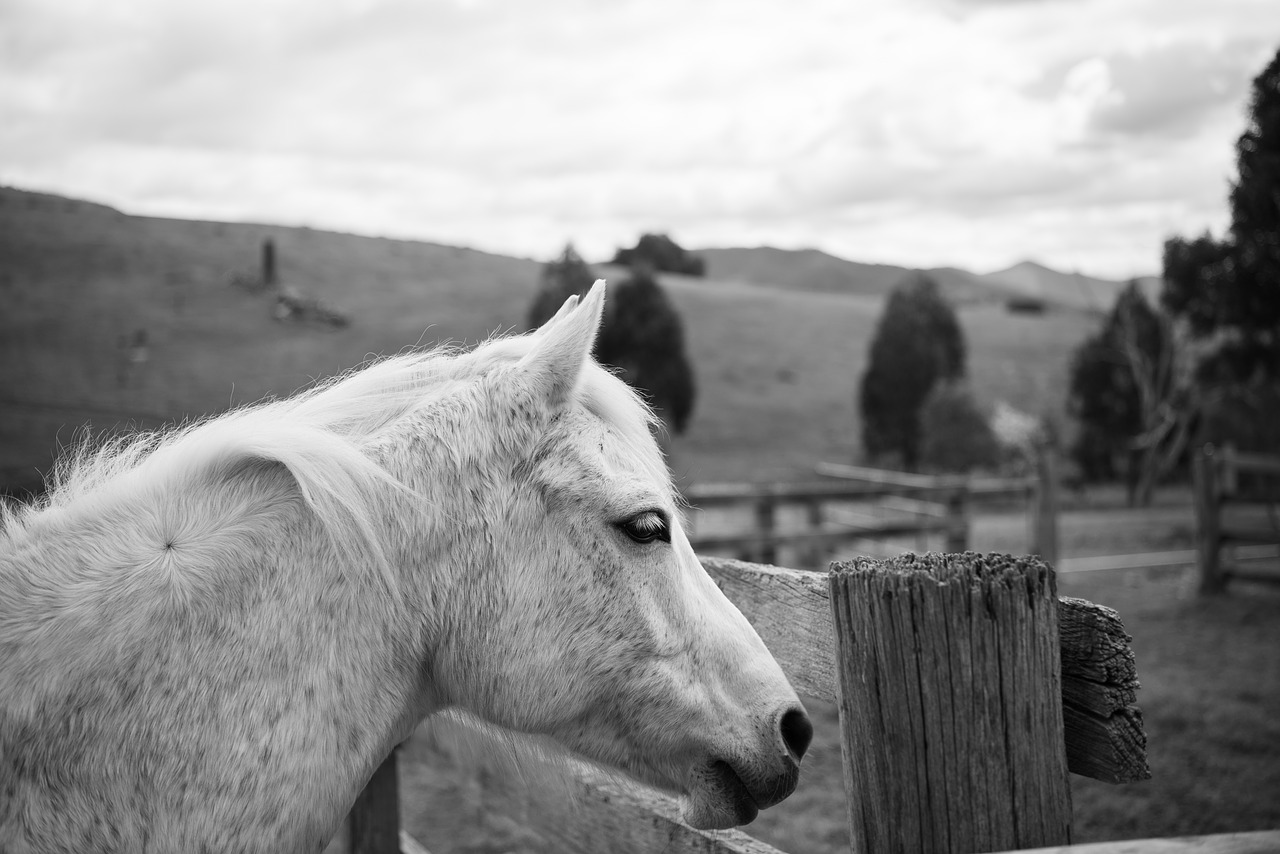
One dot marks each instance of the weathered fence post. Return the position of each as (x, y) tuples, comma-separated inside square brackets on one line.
[(1208, 499), (268, 262), (957, 532), (1044, 522), (951, 703), (374, 823), (814, 554), (766, 521)]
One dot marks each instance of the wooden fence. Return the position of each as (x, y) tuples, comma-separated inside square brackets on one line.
[(967, 689), (1227, 516), (859, 504)]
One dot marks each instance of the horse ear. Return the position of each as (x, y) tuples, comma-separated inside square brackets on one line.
[(568, 306), (563, 345)]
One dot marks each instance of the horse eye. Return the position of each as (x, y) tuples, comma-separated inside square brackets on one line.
[(646, 527)]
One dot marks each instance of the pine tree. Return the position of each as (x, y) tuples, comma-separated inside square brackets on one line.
[(1122, 381), (1230, 289), (644, 338), (641, 334), (559, 280), (917, 343)]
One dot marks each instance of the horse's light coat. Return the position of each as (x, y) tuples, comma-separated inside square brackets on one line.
[(209, 639)]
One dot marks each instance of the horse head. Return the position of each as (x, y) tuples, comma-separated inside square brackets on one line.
[(570, 603)]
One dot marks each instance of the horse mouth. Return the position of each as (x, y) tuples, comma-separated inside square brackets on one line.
[(717, 799)]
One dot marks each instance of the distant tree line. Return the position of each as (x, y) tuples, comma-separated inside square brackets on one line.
[(659, 253)]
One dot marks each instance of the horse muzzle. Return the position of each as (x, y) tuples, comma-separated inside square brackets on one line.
[(724, 793)]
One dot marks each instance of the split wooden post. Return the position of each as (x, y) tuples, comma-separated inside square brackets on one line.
[(951, 703), (814, 555), (766, 522), (1208, 500), (1044, 522), (268, 262), (957, 531), (374, 823)]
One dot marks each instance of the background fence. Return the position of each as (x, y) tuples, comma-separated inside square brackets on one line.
[(1237, 500), (804, 524)]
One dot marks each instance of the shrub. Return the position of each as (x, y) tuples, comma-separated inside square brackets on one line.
[(955, 433), (917, 343)]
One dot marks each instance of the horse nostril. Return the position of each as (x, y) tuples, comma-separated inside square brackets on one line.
[(797, 731)]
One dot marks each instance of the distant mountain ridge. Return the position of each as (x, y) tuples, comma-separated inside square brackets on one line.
[(815, 271)]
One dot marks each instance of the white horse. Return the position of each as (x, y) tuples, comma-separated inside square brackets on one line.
[(210, 639)]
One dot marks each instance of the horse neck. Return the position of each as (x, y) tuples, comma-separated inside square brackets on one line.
[(260, 671)]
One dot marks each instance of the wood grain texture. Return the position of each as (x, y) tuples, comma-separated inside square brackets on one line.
[(1103, 724), (791, 611), (950, 708), (1257, 842)]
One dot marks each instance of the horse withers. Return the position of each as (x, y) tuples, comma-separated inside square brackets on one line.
[(210, 638)]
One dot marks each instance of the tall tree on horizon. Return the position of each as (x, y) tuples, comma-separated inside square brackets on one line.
[(560, 279), (1229, 289), (643, 338), (1122, 381), (641, 334), (918, 343)]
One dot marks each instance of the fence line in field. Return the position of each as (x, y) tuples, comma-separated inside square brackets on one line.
[(923, 504), (1227, 516)]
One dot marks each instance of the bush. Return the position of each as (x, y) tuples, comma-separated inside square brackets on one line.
[(955, 433)]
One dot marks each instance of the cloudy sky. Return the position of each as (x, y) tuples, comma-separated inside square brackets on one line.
[(977, 133)]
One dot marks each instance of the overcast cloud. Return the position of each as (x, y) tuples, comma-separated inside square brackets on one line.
[(919, 132)]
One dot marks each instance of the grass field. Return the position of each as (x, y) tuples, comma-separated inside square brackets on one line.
[(80, 281)]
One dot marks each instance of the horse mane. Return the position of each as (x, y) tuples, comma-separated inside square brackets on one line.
[(318, 435)]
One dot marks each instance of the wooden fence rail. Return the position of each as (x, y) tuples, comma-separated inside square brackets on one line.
[(846, 637), (920, 505), (1227, 517)]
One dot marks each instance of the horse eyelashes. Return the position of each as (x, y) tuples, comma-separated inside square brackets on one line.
[(647, 527)]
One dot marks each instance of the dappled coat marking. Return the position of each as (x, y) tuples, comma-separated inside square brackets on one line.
[(209, 639)]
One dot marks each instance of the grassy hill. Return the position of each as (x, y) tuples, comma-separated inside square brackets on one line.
[(776, 364), (815, 271), (1070, 289)]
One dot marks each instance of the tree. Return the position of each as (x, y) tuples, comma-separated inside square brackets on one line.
[(641, 335), (559, 280), (644, 338), (1130, 384), (917, 343), (660, 253), (1229, 290)]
